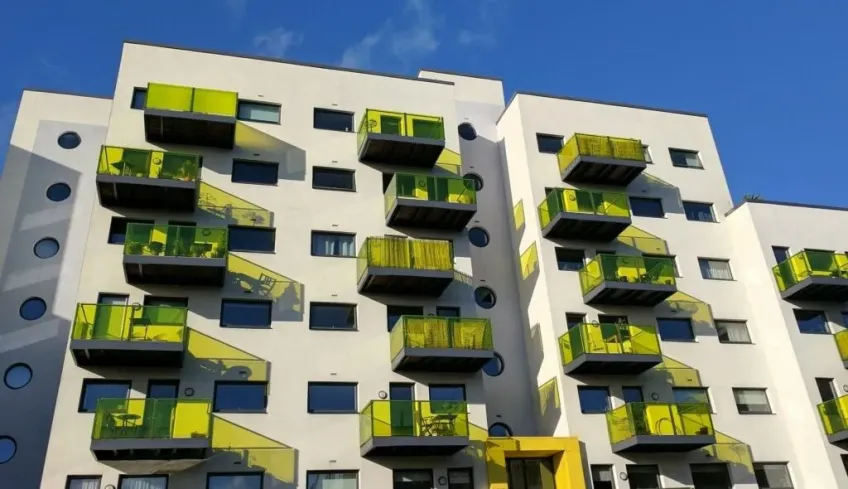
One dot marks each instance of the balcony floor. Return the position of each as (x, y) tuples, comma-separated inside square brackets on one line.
[(829, 289), (146, 193), (172, 270), (441, 360), (602, 171), (587, 227), (392, 149), (425, 214), (152, 449), (188, 128), (110, 353), (612, 364), (403, 281), (663, 443), (614, 293), (412, 446)]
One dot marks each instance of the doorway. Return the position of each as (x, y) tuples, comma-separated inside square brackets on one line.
[(160, 407), (530, 473), (109, 317), (402, 409)]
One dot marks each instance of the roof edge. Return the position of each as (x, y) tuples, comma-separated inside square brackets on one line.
[(456, 73), (748, 200), (63, 92), (602, 102)]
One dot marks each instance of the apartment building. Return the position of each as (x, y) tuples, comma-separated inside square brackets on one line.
[(245, 273)]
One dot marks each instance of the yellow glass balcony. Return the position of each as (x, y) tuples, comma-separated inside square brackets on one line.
[(841, 339), (660, 427), (617, 349), (145, 179), (441, 344), (813, 275), (430, 202), (128, 336), (152, 429), (834, 418), (398, 138), (192, 116), (627, 280), (601, 160), (584, 214), (413, 428), (175, 255), (401, 266)]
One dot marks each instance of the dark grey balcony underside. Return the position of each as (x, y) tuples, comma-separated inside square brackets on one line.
[(152, 449), (412, 446), (189, 128), (600, 170), (427, 214), (587, 227), (146, 193), (441, 360), (110, 353), (663, 443), (404, 281), (612, 363), (613, 293), (840, 439), (171, 270), (830, 289), (392, 149)]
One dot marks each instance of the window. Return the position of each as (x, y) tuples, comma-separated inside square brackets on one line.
[(17, 376), (548, 143), (570, 260), (602, 477), (240, 397), (668, 257), (460, 479), (245, 314), (632, 394), (331, 398), (772, 475), (333, 179), (239, 480), (258, 112), (448, 312), (332, 120), (258, 172), (143, 482), (495, 366), (332, 316), (139, 98), (698, 211), (58, 192), (500, 430), (485, 297), (646, 207), (732, 331), (685, 158), (675, 329), (333, 244), (811, 322), (715, 269), (83, 482), (251, 239), (643, 476), (467, 132), (95, 389), (751, 401), (781, 253), (69, 140), (393, 313), (412, 479), (710, 476), (325, 479), (684, 395), (572, 319), (593, 400), (827, 391), (448, 399), (118, 229), (646, 153)]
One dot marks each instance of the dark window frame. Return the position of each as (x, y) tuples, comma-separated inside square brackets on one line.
[(227, 300), (827, 329), (430, 471), (259, 102), (122, 477), (331, 233), (676, 340), (583, 388), (256, 229), (631, 198), (686, 151), (72, 478), (334, 304), (642, 469), (346, 471), (549, 137), (722, 260), (560, 254), (710, 205), (87, 382), (218, 383), (260, 473), (700, 389), (734, 321), (760, 389), (468, 470), (781, 249), (788, 474), (255, 163), (321, 110), (353, 410), (126, 221), (595, 483), (137, 91), (338, 171)]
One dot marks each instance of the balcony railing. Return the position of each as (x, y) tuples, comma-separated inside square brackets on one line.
[(189, 99), (584, 214), (834, 417), (149, 419), (413, 427), (815, 275), (661, 426), (441, 332), (598, 347), (127, 162), (841, 339), (400, 139), (414, 262), (430, 201), (164, 240), (129, 323), (400, 124), (630, 280), (601, 159)]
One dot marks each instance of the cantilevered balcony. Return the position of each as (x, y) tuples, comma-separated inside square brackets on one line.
[(584, 214), (834, 418), (813, 276), (400, 139), (660, 427), (175, 255), (400, 266), (106, 335), (601, 160), (152, 429), (841, 339), (413, 428), (144, 179), (616, 349), (191, 116), (430, 202), (441, 344), (627, 280)]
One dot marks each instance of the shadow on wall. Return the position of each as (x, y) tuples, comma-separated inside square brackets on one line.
[(684, 305), (223, 205), (210, 356), (736, 454), (536, 351), (518, 220), (550, 409), (263, 146), (246, 279), (678, 374), (642, 241), (658, 188)]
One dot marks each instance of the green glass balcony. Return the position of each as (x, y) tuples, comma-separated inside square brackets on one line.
[(615, 349), (400, 266), (192, 116), (834, 418), (397, 138), (660, 427), (107, 335), (413, 428), (584, 215), (601, 160), (627, 280), (143, 430), (441, 344), (145, 179), (429, 202), (813, 276), (175, 255)]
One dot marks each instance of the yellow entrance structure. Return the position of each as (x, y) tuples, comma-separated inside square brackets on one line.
[(564, 453)]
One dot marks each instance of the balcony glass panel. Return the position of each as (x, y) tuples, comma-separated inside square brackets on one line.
[(151, 419), (148, 164), (189, 99), (633, 269), (430, 188), (610, 339), (413, 254), (808, 264), (175, 241), (400, 124), (129, 323), (413, 418), (612, 204), (599, 146), (659, 419), (441, 332), (842, 344), (834, 415)]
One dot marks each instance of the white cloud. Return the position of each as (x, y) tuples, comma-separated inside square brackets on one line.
[(276, 42), (236, 8), (469, 38), (488, 17), (359, 55)]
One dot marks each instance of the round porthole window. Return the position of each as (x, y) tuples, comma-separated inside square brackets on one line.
[(69, 140), (467, 132), (485, 297), (58, 192), (500, 429), (478, 236), (475, 178), (33, 308), (8, 447), (46, 248), (495, 366), (17, 376)]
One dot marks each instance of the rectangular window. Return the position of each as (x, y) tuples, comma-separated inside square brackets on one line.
[(83, 482), (245, 314), (118, 229), (773, 475), (781, 253), (827, 391), (751, 401), (684, 395), (258, 172), (447, 398), (572, 319), (412, 479), (593, 400), (143, 482), (258, 112), (331, 398), (448, 312), (139, 98), (632, 394), (710, 476), (336, 479), (715, 269), (643, 476), (332, 316), (698, 211), (460, 479), (548, 143), (333, 244), (669, 257), (602, 477), (685, 158), (240, 480), (333, 179), (262, 240), (646, 153), (811, 322), (393, 313), (732, 331), (675, 329), (332, 120), (240, 397), (570, 260), (646, 207), (95, 389)]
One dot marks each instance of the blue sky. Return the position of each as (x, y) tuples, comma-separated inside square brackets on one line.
[(771, 74)]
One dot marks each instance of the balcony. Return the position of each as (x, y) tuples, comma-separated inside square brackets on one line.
[(142, 179), (601, 160), (428, 202), (400, 266), (440, 344), (813, 276), (584, 215), (841, 339), (834, 418), (660, 427), (413, 428), (191, 116), (615, 349), (175, 255), (106, 335), (618, 280), (143, 430), (396, 138)]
